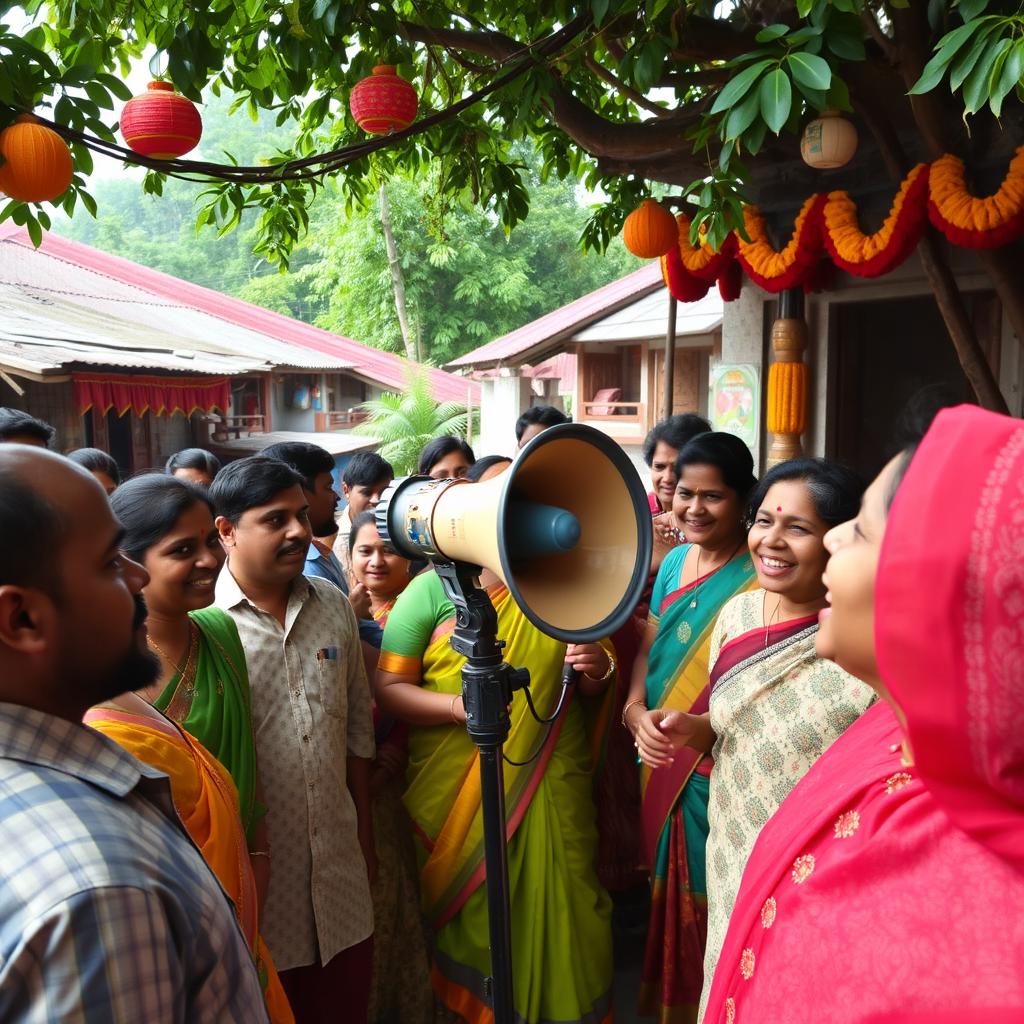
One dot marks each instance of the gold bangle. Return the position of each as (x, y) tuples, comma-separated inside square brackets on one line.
[(630, 704), (451, 708), (608, 674)]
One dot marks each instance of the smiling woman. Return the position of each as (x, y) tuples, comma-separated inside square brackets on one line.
[(204, 689), (775, 706)]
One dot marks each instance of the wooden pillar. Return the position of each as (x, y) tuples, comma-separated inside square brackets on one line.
[(787, 379), (670, 358)]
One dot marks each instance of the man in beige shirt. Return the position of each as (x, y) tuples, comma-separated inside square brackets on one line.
[(312, 720)]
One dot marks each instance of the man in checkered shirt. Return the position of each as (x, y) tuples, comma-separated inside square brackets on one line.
[(108, 912)]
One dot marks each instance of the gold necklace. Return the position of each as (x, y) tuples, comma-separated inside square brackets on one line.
[(179, 670)]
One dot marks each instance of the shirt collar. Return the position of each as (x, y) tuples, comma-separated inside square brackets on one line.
[(229, 594), (35, 737)]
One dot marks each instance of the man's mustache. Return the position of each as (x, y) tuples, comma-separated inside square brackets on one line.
[(290, 549)]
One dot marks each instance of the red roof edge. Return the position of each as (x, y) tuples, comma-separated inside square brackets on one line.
[(562, 322)]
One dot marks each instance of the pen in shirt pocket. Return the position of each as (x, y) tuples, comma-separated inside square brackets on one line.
[(327, 654)]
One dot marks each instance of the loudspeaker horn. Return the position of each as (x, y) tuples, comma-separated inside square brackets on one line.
[(566, 527)]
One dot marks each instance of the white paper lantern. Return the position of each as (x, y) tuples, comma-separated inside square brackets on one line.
[(828, 141)]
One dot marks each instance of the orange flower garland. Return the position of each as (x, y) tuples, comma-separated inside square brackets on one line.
[(776, 271), (827, 226), (873, 255), (976, 223), (787, 398)]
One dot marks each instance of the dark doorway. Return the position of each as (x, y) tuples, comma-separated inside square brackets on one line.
[(882, 354), (119, 441)]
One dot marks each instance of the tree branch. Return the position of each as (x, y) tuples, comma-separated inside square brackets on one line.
[(885, 44), (624, 90)]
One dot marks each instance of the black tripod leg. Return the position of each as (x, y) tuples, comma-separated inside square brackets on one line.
[(492, 793)]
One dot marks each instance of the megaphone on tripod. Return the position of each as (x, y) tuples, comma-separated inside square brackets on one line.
[(566, 527)]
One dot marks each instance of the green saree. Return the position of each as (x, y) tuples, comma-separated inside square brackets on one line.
[(210, 700)]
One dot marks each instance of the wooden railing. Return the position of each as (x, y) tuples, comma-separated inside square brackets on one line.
[(324, 422), (631, 412), (236, 426)]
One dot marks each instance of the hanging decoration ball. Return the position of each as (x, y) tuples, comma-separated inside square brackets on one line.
[(828, 141), (384, 102), (161, 123), (650, 231), (37, 162)]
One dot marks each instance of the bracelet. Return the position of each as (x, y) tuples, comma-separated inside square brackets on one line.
[(630, 704), (259, 853), (451, 708), (607, 675)]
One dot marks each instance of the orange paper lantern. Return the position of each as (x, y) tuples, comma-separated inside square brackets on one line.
[(161, 123), (37, 161), (650, 231), (384, 102)]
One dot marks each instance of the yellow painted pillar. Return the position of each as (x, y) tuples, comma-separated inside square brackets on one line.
[(787, 380)]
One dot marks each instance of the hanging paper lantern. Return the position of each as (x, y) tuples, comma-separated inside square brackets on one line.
[(828, 141), (650, 231), (384, 102), (37, 161), (161, 123)]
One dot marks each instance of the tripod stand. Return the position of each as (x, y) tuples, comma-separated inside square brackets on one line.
[(487, 687)]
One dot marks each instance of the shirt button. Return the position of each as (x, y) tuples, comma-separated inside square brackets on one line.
[(305, 738), (296, 693)]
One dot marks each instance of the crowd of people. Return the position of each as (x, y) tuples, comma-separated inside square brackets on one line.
[(236, 782)]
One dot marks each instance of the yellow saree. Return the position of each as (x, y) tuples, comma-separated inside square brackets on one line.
[(561, 938)]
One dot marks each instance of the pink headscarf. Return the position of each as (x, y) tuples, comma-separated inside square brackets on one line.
[(949, 621)]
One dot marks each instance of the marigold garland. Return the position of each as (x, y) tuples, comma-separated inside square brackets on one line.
[(826, 233), (776, 271), (873, 255), (971, 222), (787, 398)]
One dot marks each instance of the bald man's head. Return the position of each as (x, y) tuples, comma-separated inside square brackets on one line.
[(35, 488), (71, 612)]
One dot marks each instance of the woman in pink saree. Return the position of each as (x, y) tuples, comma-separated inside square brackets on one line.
[(889, 886)]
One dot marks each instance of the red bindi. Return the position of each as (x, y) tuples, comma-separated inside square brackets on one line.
[(779, 509)]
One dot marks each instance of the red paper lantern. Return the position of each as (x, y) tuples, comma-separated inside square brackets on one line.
[(161, 123), (650, 231), (37, 161), (384, 102)]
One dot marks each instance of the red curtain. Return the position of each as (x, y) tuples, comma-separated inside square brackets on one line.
[(158, 395)]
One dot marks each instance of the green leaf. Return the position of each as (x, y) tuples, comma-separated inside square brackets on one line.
[(951, 43), (967, 61), (736, 88), (809, 70), (742, 115), (770, 32), (839, 95), (970, 9), (1011, 75), (845, 46), (803, 7), (977, 87), (88, 202), (933, 73), (776, 99), (35, 231), (599, 8)]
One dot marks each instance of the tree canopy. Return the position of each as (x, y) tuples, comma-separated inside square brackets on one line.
[(704, 96), (691, 93)]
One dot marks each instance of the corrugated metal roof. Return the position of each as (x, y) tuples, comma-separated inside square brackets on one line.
[(49, 335), (646, 319), (74, 303), (561, 323), (167, 297)]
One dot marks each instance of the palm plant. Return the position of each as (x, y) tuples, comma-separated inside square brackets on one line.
[(406, 422)]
